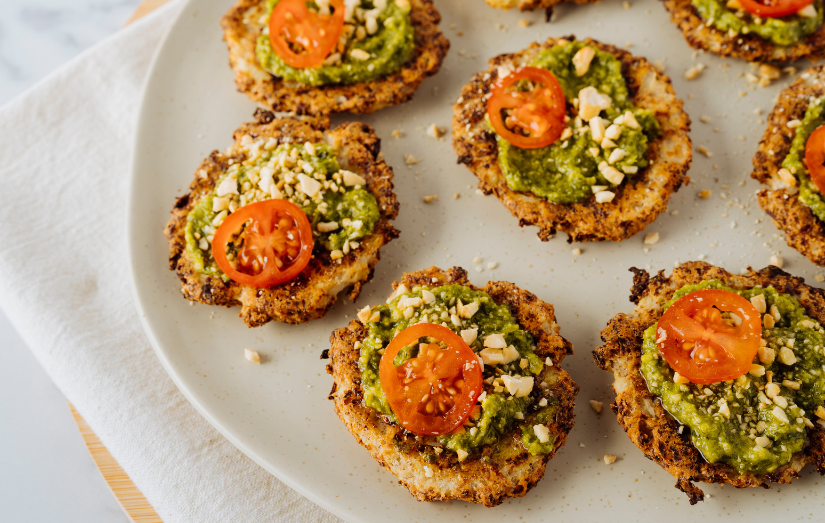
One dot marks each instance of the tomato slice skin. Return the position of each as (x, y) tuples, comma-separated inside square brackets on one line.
[(696, 343), (279, 232), (815, 157), (428, 379), (293, 22), (774, 8), (539, 112)]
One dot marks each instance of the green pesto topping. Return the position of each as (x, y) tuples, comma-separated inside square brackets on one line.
[(499, 410), (783, 31), (285, 171), (528, 434), (795, 160), (564, 171), (751, 423), (389, 48)]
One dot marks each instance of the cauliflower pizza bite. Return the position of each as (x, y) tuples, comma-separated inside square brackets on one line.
[(719, 377), (576, 136), (793, 142), (455, 389), (529, 5), (361, 55), (292, 214), (757, 31)]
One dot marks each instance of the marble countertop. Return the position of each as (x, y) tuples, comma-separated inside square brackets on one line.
[(38, 36), (47, 473)]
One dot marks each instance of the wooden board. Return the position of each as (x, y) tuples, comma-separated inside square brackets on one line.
[(145, 8), (130, 498)]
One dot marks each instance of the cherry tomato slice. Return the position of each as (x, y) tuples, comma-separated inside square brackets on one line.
[(275, 245), (537, 115), (697, 344), (774, 8), (435, 392), (815, 157), (292, 22)]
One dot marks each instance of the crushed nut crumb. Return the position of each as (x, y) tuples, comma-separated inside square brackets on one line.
[(434, 131), (651, 238), (411, 160), (694, 72)]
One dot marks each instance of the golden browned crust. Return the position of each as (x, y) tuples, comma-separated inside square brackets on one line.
[(312, 293), (748, 47), (242, 26), (529, 5), (639, 200), (803, 230), (644, 420), (507, 470)]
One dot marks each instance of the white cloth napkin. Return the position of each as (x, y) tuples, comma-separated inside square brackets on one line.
[(64, 283)]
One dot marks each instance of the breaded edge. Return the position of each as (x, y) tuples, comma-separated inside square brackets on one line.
[(639, 199), (313, 292), (643, 418), (803, 230), (530, 5), (747, 47), (487, 482), (240, 34)]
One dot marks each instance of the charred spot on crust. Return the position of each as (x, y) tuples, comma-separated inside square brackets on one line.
[(263, 116), (331, 395), (374, 147), (640, 280), (530, 5), (183, 201)]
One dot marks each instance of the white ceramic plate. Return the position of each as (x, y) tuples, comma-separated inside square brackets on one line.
[(278, 414)]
